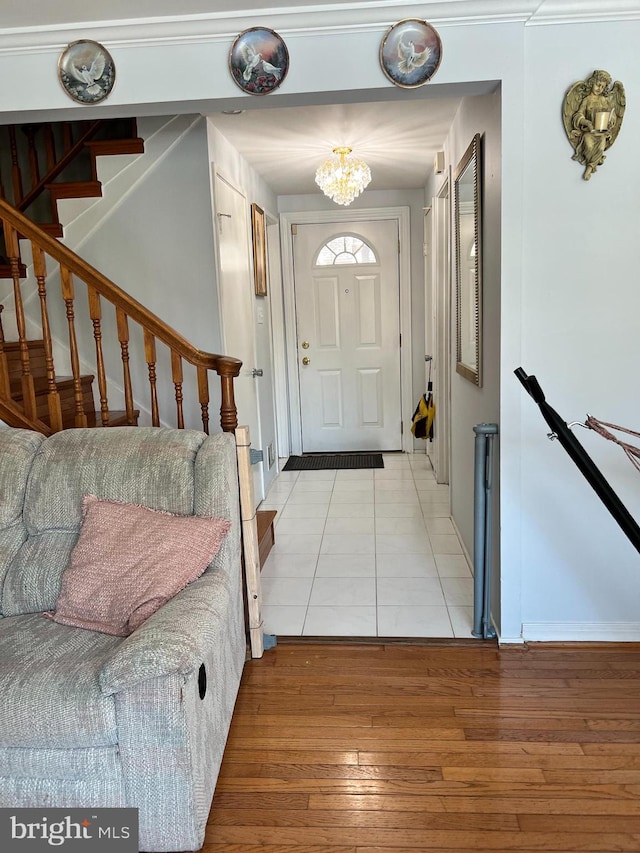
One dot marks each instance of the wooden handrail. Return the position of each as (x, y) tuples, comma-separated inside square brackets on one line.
[(127, 308), (10, 413), (69, 155), (222, 364)]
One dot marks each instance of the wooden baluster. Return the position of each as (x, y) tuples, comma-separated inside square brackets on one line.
[(228, 369), (176, 375), (50, 146), (123, 337), (66, 282), (28, 390), (53, 397), (95, 312), (150, 356), (4, 146), (30, 131), (5, 390), (16, 174), (203, 397), (67, 136)]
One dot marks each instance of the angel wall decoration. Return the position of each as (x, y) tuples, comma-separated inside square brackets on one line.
[(86, 71), (592, 115)]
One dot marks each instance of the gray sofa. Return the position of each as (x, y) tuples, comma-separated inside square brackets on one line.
[(89, 719)]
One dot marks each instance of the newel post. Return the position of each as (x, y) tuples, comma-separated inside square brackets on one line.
[(227, 369)]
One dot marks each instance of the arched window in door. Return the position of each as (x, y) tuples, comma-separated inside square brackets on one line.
[(345, 249)]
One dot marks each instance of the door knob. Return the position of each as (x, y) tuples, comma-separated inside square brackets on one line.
[(306, 360), (257, 371), (305, 344)]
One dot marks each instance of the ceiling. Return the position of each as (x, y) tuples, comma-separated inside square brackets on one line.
[(285, 146)]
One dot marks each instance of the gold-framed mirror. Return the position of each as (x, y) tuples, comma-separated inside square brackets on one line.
[(468, 252)]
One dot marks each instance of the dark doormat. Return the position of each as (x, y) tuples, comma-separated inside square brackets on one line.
[(325, 461)]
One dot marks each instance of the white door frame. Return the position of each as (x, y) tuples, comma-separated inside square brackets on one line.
[(219, 175), (442, 328), (288, 343)]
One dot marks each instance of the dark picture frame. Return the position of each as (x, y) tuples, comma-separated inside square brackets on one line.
[(410, 53), (86, 71), (258, 61), (259, 243), (468, 254)]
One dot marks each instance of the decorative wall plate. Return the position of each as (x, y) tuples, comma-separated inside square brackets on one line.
[(410, 53), (258, 61), (86, 71)]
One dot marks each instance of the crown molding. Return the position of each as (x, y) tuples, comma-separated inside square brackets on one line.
[(306, 18), (584, 11)]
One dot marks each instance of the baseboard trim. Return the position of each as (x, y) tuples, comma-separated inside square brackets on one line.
[(609, 632)]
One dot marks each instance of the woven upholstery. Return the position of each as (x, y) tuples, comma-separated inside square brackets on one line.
[(130, 560), (86, 718), (53, 697), (17, 451)]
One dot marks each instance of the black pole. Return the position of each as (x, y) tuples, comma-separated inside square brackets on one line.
[(582, 459)]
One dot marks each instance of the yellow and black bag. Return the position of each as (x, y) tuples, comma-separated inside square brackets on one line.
[(422, 420)]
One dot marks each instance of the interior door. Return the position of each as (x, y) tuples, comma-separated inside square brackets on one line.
[(237, 309), (348, 336)]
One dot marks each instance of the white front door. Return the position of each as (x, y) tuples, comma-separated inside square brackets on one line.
[(237, 308), (348, 335)]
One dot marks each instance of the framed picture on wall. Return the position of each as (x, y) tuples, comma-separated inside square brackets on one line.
[(259, 250), (410, 53), (86, 71), (258, 61)]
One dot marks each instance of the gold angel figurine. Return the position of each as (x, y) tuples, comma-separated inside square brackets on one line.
[(592, 116)]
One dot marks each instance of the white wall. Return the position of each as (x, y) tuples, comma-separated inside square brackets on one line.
[(229, 163), (156, 245), (470, 404), (568, 297), (580, 338)]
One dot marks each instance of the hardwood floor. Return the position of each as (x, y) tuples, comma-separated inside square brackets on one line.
[(442, 748)]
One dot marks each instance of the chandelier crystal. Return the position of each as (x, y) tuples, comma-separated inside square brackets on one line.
[(343, 177)]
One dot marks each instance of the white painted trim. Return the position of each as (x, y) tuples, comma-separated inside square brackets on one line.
[(581, 632), (442, 237), (311, 19), (278, 345), (509, 641), (465, 553), (402, 216)]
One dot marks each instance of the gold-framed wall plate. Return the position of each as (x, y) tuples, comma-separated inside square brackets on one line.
[(86, 71), (410, 53), (258, 61)]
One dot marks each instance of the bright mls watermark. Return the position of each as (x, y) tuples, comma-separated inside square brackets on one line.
[(73, 830)]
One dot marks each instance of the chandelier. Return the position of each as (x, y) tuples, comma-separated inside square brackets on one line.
[(342, 177)]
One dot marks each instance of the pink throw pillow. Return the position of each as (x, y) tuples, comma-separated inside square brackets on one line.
[(128, 561)]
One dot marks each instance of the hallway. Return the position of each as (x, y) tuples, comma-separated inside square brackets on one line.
[(366, 553)]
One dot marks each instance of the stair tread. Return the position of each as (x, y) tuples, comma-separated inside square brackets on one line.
[(116, 418), (266, 533), (41, 386), (5, 271), (100, 147), (53, 229), (75, 189), (33, 343)]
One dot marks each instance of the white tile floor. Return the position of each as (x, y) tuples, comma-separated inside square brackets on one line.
[(368, 553)]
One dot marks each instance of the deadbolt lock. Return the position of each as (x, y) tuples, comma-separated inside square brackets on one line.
[(306, 360), (305, 344)]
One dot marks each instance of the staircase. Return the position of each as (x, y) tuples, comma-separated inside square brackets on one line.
[(48, 163), (53, 161)]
